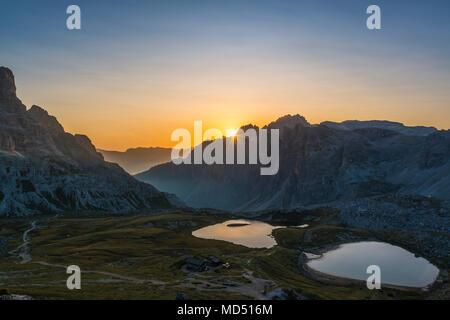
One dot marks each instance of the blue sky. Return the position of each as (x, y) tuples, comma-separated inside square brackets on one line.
[(135, 63)]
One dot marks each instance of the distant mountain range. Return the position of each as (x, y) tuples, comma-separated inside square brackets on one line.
[(44, 169), (138, 159), (320, 164), (387, 125)]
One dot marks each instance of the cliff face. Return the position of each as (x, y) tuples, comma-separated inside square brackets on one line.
[(8, 99), (34, 133), (45, 169), (320, 164)]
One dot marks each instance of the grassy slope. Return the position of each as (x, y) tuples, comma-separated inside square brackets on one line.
[(149, 247)]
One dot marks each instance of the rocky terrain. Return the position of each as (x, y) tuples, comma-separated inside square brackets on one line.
[(44, 169), (320, 164), (425, 220)]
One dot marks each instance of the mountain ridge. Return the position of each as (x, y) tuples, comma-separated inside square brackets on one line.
[(319, 164), (44, 169), (381, 124), (136, 160)]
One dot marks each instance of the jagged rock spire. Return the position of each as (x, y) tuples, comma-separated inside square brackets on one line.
[(289, 121), (8, 99)]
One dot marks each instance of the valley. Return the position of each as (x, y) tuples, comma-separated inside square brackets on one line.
[(221, 155), (62, 204), (144, 257)]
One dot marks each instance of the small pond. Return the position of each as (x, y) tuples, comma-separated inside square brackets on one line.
[(398, 266), (252, 234)]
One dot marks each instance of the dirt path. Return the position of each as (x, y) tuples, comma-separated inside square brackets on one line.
[(254, 289), (105, 273), (24, 250)]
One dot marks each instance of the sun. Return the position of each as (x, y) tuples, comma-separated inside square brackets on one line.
[(231, 132)]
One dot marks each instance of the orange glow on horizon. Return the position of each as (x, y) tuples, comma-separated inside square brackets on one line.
[(136, 110)]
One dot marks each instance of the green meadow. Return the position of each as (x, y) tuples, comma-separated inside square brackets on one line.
[(143, 257)]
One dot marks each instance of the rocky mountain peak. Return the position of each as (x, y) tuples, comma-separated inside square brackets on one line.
[(8, 99), (7, 84), (249, 126), (45, 169), (42, 117), (289, 121), (86, 144)]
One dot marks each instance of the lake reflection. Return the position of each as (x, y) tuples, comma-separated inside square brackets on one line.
[(252, 234), (398, 266)]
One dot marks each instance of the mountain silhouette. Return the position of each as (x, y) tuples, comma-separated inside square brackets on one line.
[(44, 169), (320, 164), (138, 159)]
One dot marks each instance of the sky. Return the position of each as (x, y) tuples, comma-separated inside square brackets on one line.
[(138, 70)]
